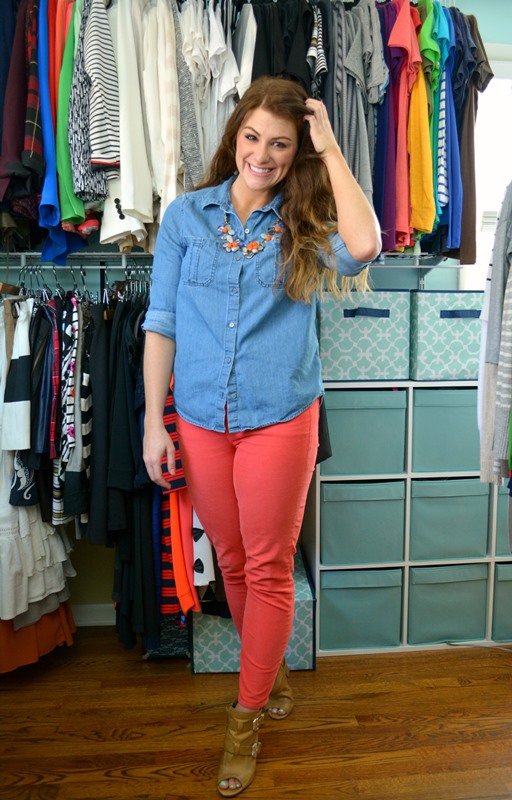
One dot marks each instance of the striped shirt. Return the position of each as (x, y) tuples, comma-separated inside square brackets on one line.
[(443, 192), (101, 69)]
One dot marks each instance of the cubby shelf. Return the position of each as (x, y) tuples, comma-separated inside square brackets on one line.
[(408, 589)]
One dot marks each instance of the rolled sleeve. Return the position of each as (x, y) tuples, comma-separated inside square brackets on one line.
[(160, 322), (165, 274), (345, 263)]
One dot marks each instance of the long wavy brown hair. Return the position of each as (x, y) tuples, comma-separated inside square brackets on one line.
[(308, 210)]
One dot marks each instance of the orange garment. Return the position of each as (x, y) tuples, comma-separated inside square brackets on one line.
[(26, 646), (404, 36), (180, 525), (52, 16), (178, 574), (187, 539), (62, 20), (421, 183)]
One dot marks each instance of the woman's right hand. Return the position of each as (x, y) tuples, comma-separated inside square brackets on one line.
[(158, 448)]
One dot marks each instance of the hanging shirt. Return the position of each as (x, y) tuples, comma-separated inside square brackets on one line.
[(6, 38), (101, 70), (464, 62), (451, 216), (244, 42), (423, 207), (384, 179), (59, 243), (15, 104), (71, 206), (196, 57), (241, 344), (169, 103), (404, 35), (316, 55), (136, 184), (479, 81), (440, 167), (192, 166)]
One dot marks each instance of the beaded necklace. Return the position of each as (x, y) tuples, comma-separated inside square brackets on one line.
[(233, 244)]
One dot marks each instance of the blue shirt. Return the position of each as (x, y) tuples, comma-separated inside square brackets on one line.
[(241, 344)]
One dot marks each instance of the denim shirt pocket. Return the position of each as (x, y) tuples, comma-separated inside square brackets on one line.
[(200, 261), (268, 265)]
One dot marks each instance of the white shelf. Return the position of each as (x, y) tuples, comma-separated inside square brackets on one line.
[(311, 530)]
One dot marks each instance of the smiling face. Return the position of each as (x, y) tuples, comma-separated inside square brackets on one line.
[(266, 146)]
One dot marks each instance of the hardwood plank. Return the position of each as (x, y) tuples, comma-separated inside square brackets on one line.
[(98, 722)]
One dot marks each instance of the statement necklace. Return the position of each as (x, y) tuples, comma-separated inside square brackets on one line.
[(248, 249)]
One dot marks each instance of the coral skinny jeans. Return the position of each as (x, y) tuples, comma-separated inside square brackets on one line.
[(249, 490)]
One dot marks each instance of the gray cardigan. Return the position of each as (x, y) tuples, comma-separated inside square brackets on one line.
[(497, 394)]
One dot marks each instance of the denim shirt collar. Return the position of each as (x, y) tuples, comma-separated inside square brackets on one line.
[(221, 196)]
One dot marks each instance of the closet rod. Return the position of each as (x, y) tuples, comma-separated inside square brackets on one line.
[(116, 260)]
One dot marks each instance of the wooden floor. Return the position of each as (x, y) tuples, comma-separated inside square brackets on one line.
[(94, 722)]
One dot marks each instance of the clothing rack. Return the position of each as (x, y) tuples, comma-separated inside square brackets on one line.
[(28, 258), (28, 264)]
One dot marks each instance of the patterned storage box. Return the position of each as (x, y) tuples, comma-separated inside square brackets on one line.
[(215, 643), (445, 335), (365, 337)]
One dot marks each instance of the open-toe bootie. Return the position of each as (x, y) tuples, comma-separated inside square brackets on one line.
[(241, 747), (281, 696)]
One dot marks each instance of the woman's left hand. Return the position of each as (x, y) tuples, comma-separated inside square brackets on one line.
[(322, 134)]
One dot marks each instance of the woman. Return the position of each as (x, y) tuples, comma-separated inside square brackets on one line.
[(239, 266)]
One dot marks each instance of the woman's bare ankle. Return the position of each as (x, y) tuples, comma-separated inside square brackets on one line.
[(245, 709)]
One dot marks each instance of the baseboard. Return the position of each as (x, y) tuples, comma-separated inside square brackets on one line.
[(91, 614)]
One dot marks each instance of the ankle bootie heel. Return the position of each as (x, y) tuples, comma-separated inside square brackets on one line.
[(241, 747), (281, 695)]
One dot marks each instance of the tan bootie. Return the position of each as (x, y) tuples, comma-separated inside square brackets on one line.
[(281, 696), (241, 747)]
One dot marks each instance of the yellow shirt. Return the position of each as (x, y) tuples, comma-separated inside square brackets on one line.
[(423, 207)]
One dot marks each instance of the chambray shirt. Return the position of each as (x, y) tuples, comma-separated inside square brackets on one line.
[(242, 345)]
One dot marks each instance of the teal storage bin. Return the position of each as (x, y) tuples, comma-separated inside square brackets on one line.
[(445, 335), (360, 608), (367, 431), (502, 525), (445, 431), (449, 519), (502, 614), (366, 336), (362, 522), (447, 604)]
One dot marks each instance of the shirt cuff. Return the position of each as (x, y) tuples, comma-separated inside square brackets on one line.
[(163, 322), (345, 263)]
